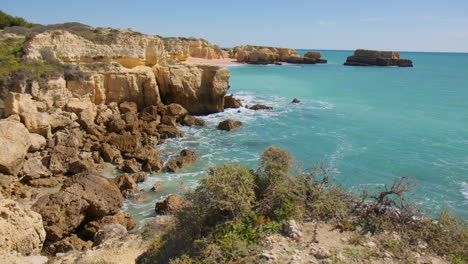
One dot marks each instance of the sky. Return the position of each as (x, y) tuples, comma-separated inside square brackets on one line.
[(409, 25)]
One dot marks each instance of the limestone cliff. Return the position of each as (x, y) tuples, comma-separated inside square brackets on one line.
[(181, 48), (268, 55), (198, 88), (125, 47), (363, 57)]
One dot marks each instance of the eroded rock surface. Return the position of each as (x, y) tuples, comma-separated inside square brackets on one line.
[(377, 58)]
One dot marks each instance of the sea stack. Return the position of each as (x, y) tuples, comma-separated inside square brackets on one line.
[(363, 57), (274, 55)]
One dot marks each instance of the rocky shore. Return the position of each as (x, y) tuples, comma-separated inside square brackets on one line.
[(273, 55)]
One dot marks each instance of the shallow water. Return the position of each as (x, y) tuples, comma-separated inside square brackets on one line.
[(371, 124)]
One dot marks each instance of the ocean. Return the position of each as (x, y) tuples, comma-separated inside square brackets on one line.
[(370, 124)]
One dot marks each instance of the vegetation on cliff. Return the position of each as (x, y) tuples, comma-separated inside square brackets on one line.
[(235, 208), (11, 21)]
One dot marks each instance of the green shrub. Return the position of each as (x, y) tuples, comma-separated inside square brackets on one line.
[(10, 21)]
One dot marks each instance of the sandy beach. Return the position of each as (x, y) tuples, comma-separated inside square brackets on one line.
[(224, 62)]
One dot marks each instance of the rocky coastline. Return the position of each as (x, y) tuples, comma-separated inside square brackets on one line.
[(363, 57)]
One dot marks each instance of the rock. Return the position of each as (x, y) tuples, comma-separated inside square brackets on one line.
[(273, 55), (179, 49), (143, 153), (229, 125), (231, 102), (295, 101), (157, 186), (110, 153), (320, 253), (198, 88), (169, 131), (16, 258), (37, 122), (38, 142), (15, 142), (292, 230), (150, 113), (260, 107), (377, 58), (116, 125), (171, 204), (125, 142), (175, 110), (86, 111), (193, 121), (140, 177), (153, 165), (370, 244), (21, 229), (126, 184), (46, 182), (102, 194), (107, 232), (34, 169), (185, 158), (123, 218), (17, 103), (72, 242), (131, 120), (131, 107), (131, 166), (169, 120), (61, 212), (313, 55)]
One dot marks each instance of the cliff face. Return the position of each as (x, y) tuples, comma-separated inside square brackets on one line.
[(198, 88), (268, 55), (181, 48), (127, 48), (377, 58)]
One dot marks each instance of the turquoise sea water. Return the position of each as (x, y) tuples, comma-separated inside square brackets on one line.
[(371, 124)]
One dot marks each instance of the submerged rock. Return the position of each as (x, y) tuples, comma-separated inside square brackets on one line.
[(229, 125), (185, 158), (295, 101), (260, 107), (377, 58)]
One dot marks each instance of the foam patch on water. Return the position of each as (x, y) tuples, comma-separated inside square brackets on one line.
[(464, 190)]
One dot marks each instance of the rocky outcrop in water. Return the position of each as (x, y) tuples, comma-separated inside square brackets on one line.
[(228, 125), (377, 58), (272, 55)]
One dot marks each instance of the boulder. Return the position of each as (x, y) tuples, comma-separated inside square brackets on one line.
[(108, 232), (123, 218), (140, 177), (157, 186), (295, 101), (313, 55), (70, 243), (34, 169), (193, 121), (169, 131), (38, 142), (116, 124), (46, 182), (292, 230), (231, 102), (130, 166), (185, 158), (150, 113), (61, 212), (21, 229), (126, 184), (229, 125), (131, 107), (17, 103), (175, 110), (14, 142), (125, 142), (198, 88), (260, 107), (109, 153), (363, 57), (153, 165), (171, 204), (169, 120), (143, 153), (37, 122), (102, 194)]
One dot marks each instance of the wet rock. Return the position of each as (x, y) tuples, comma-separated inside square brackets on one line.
[(169, 120), (295, 101), (140, 177), (193, 121), (108, 232), (153, 165), (169, 131), (231, 102), (157, 186), (131, 166), (260, 107), (126, 184), (185, 158), (109, 153), (171, 204), (229, 125), (21, 229)]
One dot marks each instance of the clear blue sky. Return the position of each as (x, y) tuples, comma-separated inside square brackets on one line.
[(409, 25)]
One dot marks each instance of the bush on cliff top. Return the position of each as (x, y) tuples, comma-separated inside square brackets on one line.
[(10, 21)]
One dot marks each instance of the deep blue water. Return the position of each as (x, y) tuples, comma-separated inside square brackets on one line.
[(371, 124)]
